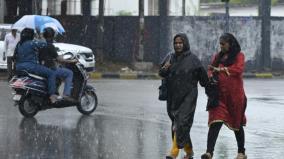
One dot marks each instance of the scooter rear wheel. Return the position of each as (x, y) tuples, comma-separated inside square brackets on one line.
[(88, 103), (27, 108)]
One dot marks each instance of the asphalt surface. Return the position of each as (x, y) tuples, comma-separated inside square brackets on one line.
[(131, 123)]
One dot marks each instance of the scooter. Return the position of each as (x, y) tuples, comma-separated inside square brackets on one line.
[(30, 91)]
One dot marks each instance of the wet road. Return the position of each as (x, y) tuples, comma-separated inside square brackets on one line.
[(131, 123)]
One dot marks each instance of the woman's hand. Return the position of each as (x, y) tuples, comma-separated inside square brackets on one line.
[(166, 65), (215, 69), (220, 69)]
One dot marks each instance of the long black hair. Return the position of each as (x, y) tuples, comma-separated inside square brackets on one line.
[(234, 49)]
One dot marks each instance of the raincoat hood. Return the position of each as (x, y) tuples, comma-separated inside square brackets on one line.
[(186, 46)]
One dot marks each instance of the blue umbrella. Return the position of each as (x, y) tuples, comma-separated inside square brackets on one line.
[(38, 22)]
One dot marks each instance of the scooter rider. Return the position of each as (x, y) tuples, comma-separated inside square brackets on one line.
[(48, 57), (26, 59)]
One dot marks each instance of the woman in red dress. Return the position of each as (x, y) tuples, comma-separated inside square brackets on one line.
[(226, 73)]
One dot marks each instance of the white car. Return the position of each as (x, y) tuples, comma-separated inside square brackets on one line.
[(86, 55)]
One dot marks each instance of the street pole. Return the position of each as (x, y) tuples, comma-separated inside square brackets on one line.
[(36, 7), (86, 10), (164, 33), (264, 59), (139, 63), (100, 30), (2, 8), (183, 7), (63, 7), (227, 27), (140, 56)]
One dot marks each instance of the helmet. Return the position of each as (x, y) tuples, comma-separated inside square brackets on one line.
[(27, 34), (48, 32)]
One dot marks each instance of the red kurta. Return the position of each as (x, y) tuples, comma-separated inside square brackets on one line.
[(232, 99)]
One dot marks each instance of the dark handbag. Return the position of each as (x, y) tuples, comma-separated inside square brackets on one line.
[(212, 92), (163, 90)]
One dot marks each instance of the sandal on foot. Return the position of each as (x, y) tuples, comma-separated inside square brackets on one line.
[(241, 156), (170, 157), (206, 156), (189, 156), (54, 98)]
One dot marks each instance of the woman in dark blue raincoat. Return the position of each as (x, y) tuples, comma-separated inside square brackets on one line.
[(182, 71)]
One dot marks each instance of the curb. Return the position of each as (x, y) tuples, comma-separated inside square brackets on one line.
[(264, 75), (258, 75), (114, 75)]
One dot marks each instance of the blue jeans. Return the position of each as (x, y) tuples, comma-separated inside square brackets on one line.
[(67, 76), (41, 71)]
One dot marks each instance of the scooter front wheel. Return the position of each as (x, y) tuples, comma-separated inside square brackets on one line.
[(27, 108), (88, 103)]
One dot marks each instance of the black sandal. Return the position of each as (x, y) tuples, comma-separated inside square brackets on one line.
[(207, 155)]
